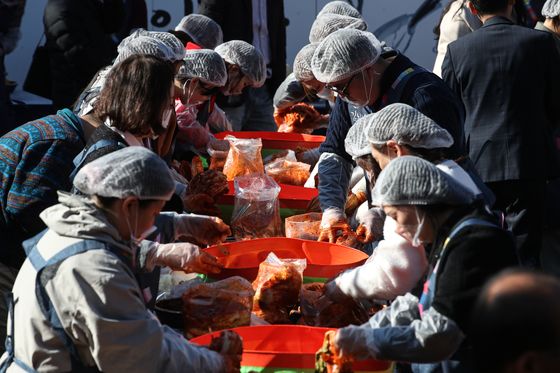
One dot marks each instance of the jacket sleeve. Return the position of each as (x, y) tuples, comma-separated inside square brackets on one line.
[(42, 171), (400, 333), (215, 9), (335, 165), (393, 269), (103, 312), (553, 94), (334, 179), (448, 74)]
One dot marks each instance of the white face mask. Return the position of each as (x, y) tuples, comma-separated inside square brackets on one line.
[(188, 94), (325, 94), (166, 118), (411, 232), (136, 239), (366, 90)]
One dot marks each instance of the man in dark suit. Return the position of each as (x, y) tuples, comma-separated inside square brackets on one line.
[(508, 79), (261, 23)]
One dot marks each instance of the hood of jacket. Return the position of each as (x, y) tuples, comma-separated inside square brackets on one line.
[(78, 217)]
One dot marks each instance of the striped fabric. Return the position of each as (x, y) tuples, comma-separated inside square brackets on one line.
[(35, 161)]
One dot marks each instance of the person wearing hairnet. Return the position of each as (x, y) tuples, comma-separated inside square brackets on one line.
[(201, 30), (367, 77), (302, 82), (551, 24), (162, 45), (298, 86), (339, 7), (396, 266), (159, 44), (143, 105), (468, 247), (77, 289), (200, 77), (327, 23), (246, 68)]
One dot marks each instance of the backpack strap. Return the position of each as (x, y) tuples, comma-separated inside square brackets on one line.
[(428, 291), (46, 269), (82, 156)]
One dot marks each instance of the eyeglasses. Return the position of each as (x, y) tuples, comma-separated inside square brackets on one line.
[(343, 91)]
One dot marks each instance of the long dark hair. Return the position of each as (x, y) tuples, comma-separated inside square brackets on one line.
[(136, 92)]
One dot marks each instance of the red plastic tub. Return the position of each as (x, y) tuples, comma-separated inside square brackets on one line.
[(278, 140), (324, 260), (286, 348)]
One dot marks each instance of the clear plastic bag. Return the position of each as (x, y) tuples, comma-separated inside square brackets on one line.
[(218, 151), (304, 226), (318, 310), (256, 211), (288, 172), (215, 306), (244, 157), (277, 288)]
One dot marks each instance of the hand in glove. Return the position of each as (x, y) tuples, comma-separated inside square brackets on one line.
[(230, 345), (200, 229), (185, 257), (201, 204), (352, 342), (333, 225), (371, 225), (328, 358)]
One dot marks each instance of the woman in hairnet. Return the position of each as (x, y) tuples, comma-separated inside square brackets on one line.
[(76, 304), (396, 265), (468, 247), (201, 76), (135, 102), (162, 45)]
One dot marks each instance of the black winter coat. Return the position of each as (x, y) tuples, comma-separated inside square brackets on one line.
[(79, 41)]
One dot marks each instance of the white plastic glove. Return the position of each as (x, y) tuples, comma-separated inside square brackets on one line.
[(333, 224), (185, 257), (200, 229), (353, 341), (371, 225)]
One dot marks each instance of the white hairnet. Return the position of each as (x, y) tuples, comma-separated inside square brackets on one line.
[(414, 181), (145, 45), (344, 53), (167, 47), (247, 57), (132, 171), (203, 30), (204, 64), (551, 9), (302, 63), (328, 23), (356, 142), (340, 7), (408, 126)]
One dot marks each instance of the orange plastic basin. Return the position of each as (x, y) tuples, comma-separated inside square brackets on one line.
[(291, 196), (278, 140), (289, 348), (324, 260)]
